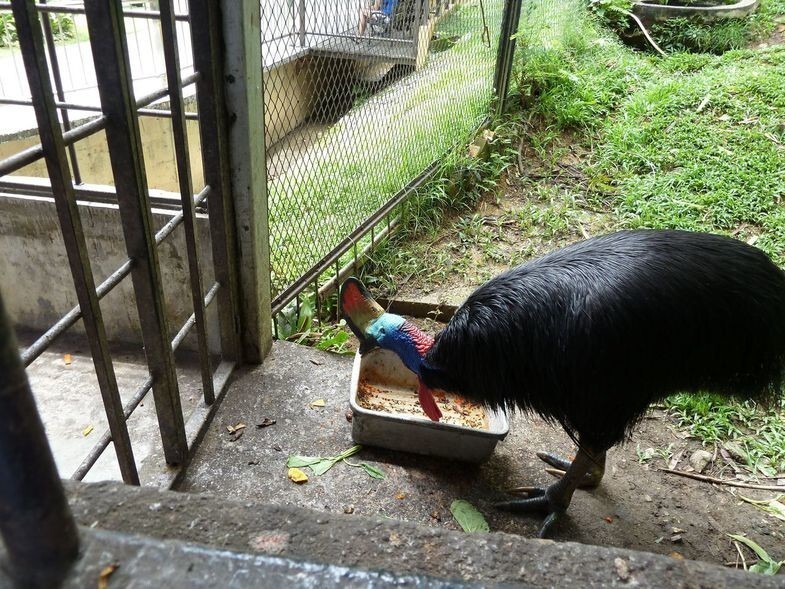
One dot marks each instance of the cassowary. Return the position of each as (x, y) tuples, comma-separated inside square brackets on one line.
[(590, 335)]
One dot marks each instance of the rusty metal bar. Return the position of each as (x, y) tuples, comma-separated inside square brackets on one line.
[(58, 81), (113, 74), (34, 54), (36, 524), (183, 162), (206, 41)]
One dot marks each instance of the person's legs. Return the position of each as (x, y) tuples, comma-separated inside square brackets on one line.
[(365, 14)]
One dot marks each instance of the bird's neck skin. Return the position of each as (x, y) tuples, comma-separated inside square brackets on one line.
[(412, 349)]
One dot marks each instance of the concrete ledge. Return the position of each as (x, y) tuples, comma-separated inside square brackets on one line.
[(400, 548), (143, 562)]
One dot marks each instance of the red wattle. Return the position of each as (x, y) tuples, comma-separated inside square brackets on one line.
[(428, 403)]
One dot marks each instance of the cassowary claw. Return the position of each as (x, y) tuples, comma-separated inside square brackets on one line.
[(538, 501), (561, 465)]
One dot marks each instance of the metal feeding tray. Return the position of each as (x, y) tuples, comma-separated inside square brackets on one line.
[(384, 371)]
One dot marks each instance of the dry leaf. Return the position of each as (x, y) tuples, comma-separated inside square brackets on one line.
[(86, 431), (232, 429), (608, 519), (106, 572), (266, 422), (400, 496), (317, 362), (318, 403), (297, 476), (236, 435), (676, 555), (67, 359)]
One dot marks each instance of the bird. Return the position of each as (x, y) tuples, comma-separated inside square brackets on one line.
[(590, 335)]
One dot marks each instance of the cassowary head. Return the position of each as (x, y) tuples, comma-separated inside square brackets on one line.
[(376, 328)]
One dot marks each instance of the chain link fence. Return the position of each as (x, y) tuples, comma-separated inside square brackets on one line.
[(360, 100)]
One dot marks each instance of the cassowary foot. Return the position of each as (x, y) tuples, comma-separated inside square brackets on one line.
[(561, 465), (550, 501), (555, 499)]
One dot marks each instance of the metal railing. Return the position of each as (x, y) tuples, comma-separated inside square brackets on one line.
[(119, 112)]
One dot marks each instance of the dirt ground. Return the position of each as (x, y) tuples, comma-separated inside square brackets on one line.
[(638, 505)]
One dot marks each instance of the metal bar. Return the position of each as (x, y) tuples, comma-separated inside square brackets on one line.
[(113, 74), (36, 524), (148, 14), (301, 21), (62, 105), (34, 54), (39, 346), (206, 41), (103, 443), (85, 193), (506, 52), (96, 451), (36, 152), (58, 81), (313, 273), (183, 162)]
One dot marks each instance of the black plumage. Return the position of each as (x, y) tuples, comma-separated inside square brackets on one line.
[(592, 334)]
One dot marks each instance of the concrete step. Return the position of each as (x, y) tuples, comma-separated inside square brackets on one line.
[(169, 539)]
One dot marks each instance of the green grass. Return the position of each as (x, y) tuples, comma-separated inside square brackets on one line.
[(759, 432), (681, 34)]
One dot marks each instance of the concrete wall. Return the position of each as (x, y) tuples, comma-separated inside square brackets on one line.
[(288, 98), (35, 278)]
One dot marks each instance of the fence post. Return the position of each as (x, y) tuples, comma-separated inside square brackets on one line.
[(506, 52), (36, 524), (244, 93)]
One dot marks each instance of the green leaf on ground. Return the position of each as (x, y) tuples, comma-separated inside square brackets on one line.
[(299, 461), (774, 506), (468, 517), (766, 565)]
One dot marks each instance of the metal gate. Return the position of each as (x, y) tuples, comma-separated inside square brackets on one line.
[(117, 115)]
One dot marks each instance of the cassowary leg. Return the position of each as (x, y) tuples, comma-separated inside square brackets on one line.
[(561, 465), (555, 499)]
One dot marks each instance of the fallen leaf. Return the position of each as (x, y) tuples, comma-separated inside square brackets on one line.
[(67, 359), (266, 422), (608, 519), (349, 509), (774, 506), (468, 517), (295, 461), (297, 476), (106, 572), (321, 467), (236, 435), (86, 431), (317, 362), (676, 555), (233, 428), (376, 473), (318, 403), (400, 496)]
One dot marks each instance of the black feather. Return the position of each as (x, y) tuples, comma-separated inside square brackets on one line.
[(592, 334)]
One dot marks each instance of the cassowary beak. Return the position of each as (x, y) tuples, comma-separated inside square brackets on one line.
[(360, 310)]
